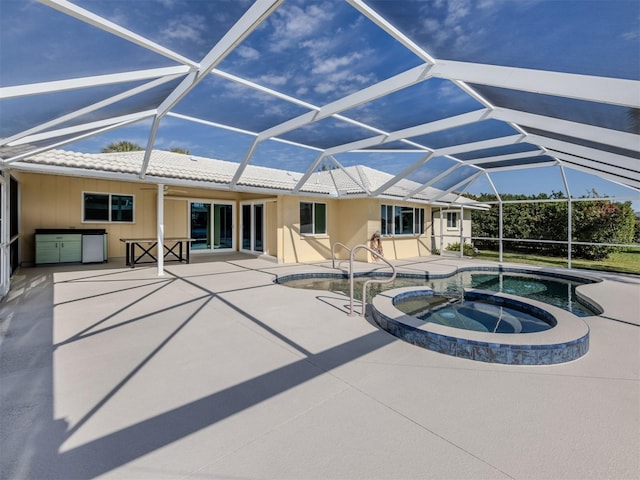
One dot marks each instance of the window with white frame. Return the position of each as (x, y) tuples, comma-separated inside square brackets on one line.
[(452, 220), (401, 220), (107, 207), (313, 218)]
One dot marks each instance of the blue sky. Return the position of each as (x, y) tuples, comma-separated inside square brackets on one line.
[(318, 52)]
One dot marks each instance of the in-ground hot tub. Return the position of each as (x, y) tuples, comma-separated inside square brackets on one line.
[(484, 326)]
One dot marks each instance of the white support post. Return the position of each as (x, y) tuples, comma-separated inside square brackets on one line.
[(160, 221), (5, 246), (569, 216), (461, 232), (441, 232), (500, 222)]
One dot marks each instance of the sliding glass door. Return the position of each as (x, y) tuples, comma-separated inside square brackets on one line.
[(252, 219), (211, 225)]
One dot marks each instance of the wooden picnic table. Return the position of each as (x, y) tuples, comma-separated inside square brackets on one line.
[(170, 244)]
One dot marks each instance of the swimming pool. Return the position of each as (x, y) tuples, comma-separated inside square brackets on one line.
[(551, 306), (559, 291)]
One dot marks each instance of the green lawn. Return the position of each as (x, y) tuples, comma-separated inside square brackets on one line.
[(627, 261)]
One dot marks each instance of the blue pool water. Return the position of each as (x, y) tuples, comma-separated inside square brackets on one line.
[(556, 291), (480, 315)]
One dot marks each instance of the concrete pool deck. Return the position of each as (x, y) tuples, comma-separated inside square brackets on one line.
[(214, 372)]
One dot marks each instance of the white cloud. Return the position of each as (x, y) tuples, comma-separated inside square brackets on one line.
[(186, 27), (292, 24), (274, 80), (632, 36), (247, 53), (331, 64), (324, 87)]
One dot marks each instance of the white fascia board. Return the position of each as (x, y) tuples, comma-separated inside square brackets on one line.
[(613, 91), (104, 24), (86, 82), (504, 158), (607, 159), (606, 136), (481, 145), (151, 180), (380, 89), (74, 172), (379, 20), (38, 137), (90, 108)]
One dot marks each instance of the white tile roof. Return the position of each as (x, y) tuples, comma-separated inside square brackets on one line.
[(219, 173)]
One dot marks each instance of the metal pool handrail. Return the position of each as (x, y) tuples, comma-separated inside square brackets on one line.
[(364, 286), (333, 252)]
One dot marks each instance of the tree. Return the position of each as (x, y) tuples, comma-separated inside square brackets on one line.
[(180, 150), (122, 146), (600, 221)]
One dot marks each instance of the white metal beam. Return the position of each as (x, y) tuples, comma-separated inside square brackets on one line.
[(379, 20), (380, 89), (606, 136), (403, 174), (88, 109), (614, 91), (62, 132), (505, 158), (244, 163), (607, 159), (115, 29), (353, 179), (87, 82), (424, 129), (526, 166), (435, 179), (625, 182), (249, 21), (481, 145), (596, 168), (457, 185), (68, 141), (308, 173)]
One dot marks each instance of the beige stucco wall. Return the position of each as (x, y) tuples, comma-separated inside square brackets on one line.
[(55, 201), (350, 222), (450, 235)]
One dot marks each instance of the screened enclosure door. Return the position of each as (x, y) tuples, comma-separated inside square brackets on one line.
[(253, 227), (211, 225)]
